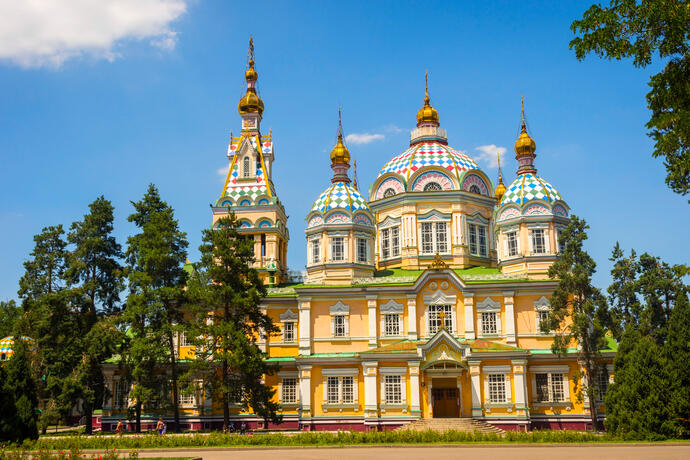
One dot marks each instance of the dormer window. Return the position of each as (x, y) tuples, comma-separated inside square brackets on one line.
[(246, 167)]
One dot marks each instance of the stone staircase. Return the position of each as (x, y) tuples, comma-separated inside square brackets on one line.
[(445, 424)]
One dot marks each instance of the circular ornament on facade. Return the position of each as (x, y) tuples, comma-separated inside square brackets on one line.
[(444, 285), (433, 286)]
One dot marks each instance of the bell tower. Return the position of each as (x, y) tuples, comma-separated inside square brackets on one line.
[(249, 191)]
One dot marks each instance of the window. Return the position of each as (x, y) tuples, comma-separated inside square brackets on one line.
[(393, 389), (182, 340), (478, 245), (315, 251), (511, 244), (561, 244), (339, 326), (489, 322), (183, 398), (246, 168), (475, 189), (432, 187), (338, 248), (434, 237), (602, 383), (120, 393), (390, 242), (391, 323), (388, 192), (538, 241), (497, 388), (348, 390), (289, 389), (436, 312), (288, 332), (549, 387), (332, 389), (541, 317), (362, 255)]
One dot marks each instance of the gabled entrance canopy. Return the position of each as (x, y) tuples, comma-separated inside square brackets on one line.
[(445, 350)]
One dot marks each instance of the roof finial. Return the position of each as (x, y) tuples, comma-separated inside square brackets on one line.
[(426, 88), (355, 184), (523, 128), (340, 125), (251, 50), (500, 178)]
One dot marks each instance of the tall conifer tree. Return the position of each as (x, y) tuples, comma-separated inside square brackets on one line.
[(20, 420), (227, 291)]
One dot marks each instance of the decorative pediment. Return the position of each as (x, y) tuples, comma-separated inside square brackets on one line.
[(340, 308), (289, 315), (488, 304), (433, 216), (442, 347), (389, 222), (542, 304), (440, 298), (391, 307)]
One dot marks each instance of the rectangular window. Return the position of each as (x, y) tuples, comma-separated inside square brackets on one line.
[(473, 239), (441, 240), (315, 251), (121, 393), (489, 322), (550, 387), (427, 238), (497, 388), (288, 332), (362, 250), (184, 399), (391, 323), (512, 244), (436, 312), (482, 240), (182, 340), (561, 244), (289, 391), (348, 390), (395, 241), (338, 248), (538, 241), (339, 328), (541, 317), (602, 383), (393, 389), (386, 243), (332, 390)]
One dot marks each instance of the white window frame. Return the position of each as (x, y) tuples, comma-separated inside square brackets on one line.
[(289, 395), (489, 306), (338, 396), (289, 318), (315, 250), (558, 377), (182, 340), (390, 242), (476, 232), (289, 332), (339, 242), (541, 306), (496, 385), (390, 378), (434, 319), (507, 253), (434, 237), (246, 167), (559, 247), (121, 389), (185, 400), (389, 310), (340, 313), (362, 250)]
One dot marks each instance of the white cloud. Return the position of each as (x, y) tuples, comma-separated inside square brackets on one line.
[(488, 154), (223, 171), (364, 138), (36, 33), (391, 128)]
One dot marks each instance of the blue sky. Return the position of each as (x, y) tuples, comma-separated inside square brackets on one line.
[(94, 104)]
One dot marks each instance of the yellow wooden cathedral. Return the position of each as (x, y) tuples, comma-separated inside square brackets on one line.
[(422, 296)]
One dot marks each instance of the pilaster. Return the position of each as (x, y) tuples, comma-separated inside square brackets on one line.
[(469, 315), (371, 304), (520, 385), (415, 408), (371, 408), (412, 317), (304, 326), (475, 380), (510, 316), (305, 391)]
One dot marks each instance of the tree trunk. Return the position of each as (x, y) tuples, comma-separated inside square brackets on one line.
[(173, 374), (226, 402), (137, 410), (88, 412), (590, 394)]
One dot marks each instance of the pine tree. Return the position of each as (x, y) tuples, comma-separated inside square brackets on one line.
[(226, 292), (677, 351), (578, 309), (154, 311), (95, 274), (20, 423), (10, 314)]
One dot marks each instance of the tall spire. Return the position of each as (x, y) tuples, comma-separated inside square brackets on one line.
[(500, 188), (251, 103), (355, 174), (525, 146), (427, 115), (340, 156)]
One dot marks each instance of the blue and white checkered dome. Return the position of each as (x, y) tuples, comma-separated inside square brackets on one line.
[(527, 187), (340, 195)]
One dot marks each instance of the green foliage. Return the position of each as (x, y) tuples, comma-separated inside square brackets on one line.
[(638, 29), (10, 315), (44, 271), (18, 420), (156, 279), (226, 292), (73, 454), (579, 311)]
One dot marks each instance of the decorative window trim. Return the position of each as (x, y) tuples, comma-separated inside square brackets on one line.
[(288, 316), (496, 369), (340, 372), (339, 308), (434, 216), (392, 307), (557, 369), (280, 390), (403, 391), (550, 371), (537, 225), (389, 222), (453, 322), (542, 304), (508, 394), (440, 298), (393, 370), (488, 305)]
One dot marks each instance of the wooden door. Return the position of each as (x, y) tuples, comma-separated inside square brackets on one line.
[(445, 402)]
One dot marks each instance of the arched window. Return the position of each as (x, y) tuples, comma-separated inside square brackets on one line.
[(388, 192), (475, 189), (246, 171), (432, 187)]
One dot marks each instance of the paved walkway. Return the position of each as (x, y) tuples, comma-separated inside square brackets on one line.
[(474, 452)]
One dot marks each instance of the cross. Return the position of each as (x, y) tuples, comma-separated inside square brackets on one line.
[(442, 317)]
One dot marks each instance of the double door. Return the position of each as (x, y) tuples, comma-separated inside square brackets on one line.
[(446, 402)]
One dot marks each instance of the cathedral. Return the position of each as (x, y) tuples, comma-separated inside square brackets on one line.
[(422, 296)]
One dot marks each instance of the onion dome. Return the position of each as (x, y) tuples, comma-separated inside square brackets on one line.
[(500, 188), (340, 195), (7, 347), (525, 147), (340, 153), (426, 154), (251, 102), (427, 114), (527, 187)]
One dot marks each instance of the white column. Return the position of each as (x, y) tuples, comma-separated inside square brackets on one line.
[(469, 315), (415, 408), (412, 317), (520, 380), (510, 316), (371, 304), (305, 391), (261, 343), (304, 326), (371, 406), (476, 389)]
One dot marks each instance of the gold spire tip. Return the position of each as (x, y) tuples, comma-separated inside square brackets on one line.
[(340, 124), (522, 110), (251, 49)]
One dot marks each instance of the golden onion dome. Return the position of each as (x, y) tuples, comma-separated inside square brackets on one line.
[(524, 145), (427, 113), (500, 191), (250, 74), (250, 103), (340, 153)]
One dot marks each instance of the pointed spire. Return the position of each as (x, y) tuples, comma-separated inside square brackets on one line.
[(251, 51), (251, 102), (426, 88), (524, 145), (355, 174), (500, 188), (523, 128), (340, 125), (427, 115), (340, 155)]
